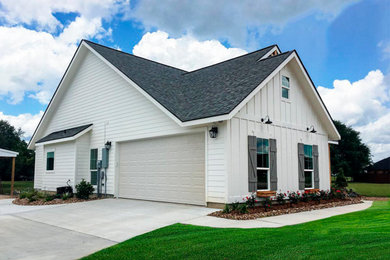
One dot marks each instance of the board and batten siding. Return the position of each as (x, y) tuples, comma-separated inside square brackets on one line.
[(290, 120), (118, 112), (40, 163)]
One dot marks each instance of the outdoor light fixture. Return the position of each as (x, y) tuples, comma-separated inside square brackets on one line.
[(266, 120), (107, 145), (311, 129), (213, 132)]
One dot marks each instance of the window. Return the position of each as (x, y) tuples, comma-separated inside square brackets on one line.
[(285, 87), (50, 161), (262, 164), (93, 166), (308, 150)]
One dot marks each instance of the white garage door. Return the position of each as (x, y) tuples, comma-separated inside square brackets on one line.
[(168, 169)]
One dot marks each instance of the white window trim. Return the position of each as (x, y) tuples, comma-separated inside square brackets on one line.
[(268, 179), (91, 170), (54, 163), (312, 178), (284, 87)]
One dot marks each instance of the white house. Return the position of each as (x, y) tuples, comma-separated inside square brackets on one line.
[(213, 135)]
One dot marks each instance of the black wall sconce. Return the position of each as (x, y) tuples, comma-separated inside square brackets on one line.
[(311, 129), (107, 145), (266, 120), (213, 132)]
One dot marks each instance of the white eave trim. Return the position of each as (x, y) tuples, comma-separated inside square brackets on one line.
[(8, 153), (72, 138), (133, 84), (333, 142)]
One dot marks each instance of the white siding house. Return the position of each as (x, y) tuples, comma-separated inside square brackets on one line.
[(159, 150)]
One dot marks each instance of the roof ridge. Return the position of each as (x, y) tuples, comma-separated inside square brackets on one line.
[(132, 55), (215, 64), (274, 56)]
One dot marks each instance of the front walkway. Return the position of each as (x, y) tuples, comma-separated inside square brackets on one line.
[(278, 221)]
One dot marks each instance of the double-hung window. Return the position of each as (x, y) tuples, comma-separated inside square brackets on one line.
[(285, 87), (93, 166), (263, 178), (49, 161), (308, 150)]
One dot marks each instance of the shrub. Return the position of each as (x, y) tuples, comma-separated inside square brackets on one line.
[(293, 197), (315, 197), (235, 205), (50, 197), (251, 201), (84, 190), (339, 194), (66, 196), (281, 198), (341, 181), (305, 196), (324, 195), (243, 208), (352, 194), (267, 203), (226, 209)]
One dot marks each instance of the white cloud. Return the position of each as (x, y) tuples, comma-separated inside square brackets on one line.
[(27, 122), (186, 52), (365, 106), (232, 20), (33, 60)]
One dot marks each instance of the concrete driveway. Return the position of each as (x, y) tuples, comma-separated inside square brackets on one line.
[(70, 231)]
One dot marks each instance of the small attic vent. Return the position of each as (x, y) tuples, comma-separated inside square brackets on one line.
[(274, 53)]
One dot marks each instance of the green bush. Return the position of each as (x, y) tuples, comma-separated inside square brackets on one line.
[(49, 197), (341, 181), (84, 190), (243, 208), (235, 205), (226, 209)]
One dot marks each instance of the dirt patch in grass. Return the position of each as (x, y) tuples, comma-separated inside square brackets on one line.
[(26, 202), (260, 212)]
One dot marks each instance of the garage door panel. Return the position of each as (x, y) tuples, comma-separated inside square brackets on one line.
[(164, 169)]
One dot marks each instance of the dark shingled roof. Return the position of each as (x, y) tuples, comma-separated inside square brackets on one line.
[(63, 133), (210, 91), (380, 165)]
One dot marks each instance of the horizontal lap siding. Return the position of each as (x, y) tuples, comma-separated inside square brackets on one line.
[(39, 164), (290, 120), (64, 166), (83, 157)]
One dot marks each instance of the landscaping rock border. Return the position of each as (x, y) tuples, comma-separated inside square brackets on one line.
[(258, 212), (25, 202)]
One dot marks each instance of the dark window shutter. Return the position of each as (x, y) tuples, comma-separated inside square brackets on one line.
[(273, 165), (301, 166), (316, 168), (252, 163)]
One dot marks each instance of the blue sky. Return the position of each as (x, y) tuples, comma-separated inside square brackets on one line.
[(345, 46)]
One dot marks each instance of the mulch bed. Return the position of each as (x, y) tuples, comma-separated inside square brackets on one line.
[(259, 212), (25, 202)]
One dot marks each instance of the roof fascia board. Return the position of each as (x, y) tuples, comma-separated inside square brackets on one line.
[(11, 153), (53, 98), (206, 120), (133, 84), (317, 95), (72, 138)]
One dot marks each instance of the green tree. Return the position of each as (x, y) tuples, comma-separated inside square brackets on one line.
[(11, 139), (351, 154)]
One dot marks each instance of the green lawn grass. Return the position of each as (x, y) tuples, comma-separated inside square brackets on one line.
[(18, 185), (371, 189), (359, 235)]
